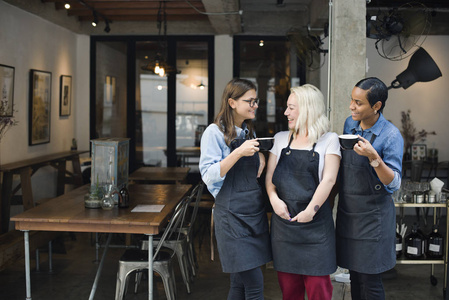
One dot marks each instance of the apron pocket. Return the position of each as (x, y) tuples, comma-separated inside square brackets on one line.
[(298, 233), (354, 180), (359, 226), (241, 225)]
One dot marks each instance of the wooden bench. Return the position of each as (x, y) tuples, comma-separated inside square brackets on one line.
[(26, 169), (12, 249)]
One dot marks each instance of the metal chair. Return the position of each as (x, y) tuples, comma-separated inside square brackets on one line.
[(187, 230), (137, 259)]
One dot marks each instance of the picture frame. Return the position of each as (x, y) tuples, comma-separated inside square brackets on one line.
[(6, 90), (65, 95), (418, 151), (39, 107)]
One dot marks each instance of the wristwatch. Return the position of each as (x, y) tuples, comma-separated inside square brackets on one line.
[(375, 162)]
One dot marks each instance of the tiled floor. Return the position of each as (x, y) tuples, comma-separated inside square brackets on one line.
[(74, 272)]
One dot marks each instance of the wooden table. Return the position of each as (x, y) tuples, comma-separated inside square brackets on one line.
[(67, 213), (160, 174), (26, 169)]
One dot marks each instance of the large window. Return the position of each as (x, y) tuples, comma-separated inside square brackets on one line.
[(270, 63), (163, 114)]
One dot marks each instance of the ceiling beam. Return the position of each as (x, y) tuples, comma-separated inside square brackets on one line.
[(229, 22)]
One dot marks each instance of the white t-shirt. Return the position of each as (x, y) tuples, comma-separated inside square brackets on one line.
[(328, 143)]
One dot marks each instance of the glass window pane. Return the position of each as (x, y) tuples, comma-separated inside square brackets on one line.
[(191, 99), (270, 67), (111, 89), (151, 108)]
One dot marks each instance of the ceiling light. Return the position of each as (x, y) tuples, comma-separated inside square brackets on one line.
[(67, 5), (95, 21), (201, 86)]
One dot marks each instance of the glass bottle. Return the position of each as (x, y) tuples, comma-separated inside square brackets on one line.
[(414, 244), (113, 191), (124, 198), (435, 242), (398, 245)]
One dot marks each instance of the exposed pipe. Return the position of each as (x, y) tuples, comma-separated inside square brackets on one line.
[(328, 100)]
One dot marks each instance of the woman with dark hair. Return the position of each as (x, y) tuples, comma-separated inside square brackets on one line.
[(230, 164), (369, 174)]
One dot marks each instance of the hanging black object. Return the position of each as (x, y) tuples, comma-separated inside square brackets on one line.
[(421, 68)]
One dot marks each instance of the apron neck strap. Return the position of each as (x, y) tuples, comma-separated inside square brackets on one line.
[(373, 136)]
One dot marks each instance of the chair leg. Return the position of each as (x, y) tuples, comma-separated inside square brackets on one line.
[(212, 250)]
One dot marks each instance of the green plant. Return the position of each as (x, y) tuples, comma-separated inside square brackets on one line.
[(409, 132)]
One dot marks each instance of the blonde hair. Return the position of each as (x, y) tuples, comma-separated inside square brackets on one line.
[(312, 120)]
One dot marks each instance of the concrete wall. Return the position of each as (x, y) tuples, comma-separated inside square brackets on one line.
[(29, 42)]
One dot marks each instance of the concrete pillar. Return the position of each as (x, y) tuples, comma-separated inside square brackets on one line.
[(348, 56)]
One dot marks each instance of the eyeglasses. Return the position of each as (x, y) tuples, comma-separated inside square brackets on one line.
[(252, 102)]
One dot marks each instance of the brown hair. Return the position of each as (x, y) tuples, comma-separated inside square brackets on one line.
[(235, 89)]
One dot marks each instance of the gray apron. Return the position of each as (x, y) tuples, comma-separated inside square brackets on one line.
[(301, 248), (366, 218), (241, 224)]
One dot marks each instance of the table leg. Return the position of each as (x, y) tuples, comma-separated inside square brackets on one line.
[(5, 199), (150, 267), (100, 268), (26, 237)]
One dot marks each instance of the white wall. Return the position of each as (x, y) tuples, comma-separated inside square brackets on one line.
[(427, 101), (29, 42)]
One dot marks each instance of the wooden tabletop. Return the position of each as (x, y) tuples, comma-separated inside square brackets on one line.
[(160, 174), (67, 212)]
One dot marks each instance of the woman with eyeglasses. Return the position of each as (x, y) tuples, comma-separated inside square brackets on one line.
[(301, 171), (230, 164)]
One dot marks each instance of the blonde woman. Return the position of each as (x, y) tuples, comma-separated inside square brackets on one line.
[(301, 171)]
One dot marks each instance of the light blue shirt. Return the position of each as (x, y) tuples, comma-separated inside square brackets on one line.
[(388, 143), (214, 150)]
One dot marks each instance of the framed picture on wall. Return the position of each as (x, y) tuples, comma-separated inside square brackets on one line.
[(6, 91), (418, 151), (65, 95), (39, 110)]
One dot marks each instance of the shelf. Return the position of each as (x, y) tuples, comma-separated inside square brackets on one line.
[(419, 261), (396, 204)]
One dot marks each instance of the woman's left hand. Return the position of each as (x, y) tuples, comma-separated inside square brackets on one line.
[(303, 217), (364, 148)]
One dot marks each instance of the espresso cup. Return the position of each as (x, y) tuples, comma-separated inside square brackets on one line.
[(265, 143), (347, 141)]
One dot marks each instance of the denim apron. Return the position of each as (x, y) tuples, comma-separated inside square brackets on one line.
[(241, 224), (301, 248), (366, 218)]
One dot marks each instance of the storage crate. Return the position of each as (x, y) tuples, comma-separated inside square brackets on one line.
[(110, 159)]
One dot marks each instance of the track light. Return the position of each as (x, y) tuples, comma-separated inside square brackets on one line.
[(95, 21), (107, 28)]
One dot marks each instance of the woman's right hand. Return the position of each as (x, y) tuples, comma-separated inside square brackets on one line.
[(248, 148), (280, 208)]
